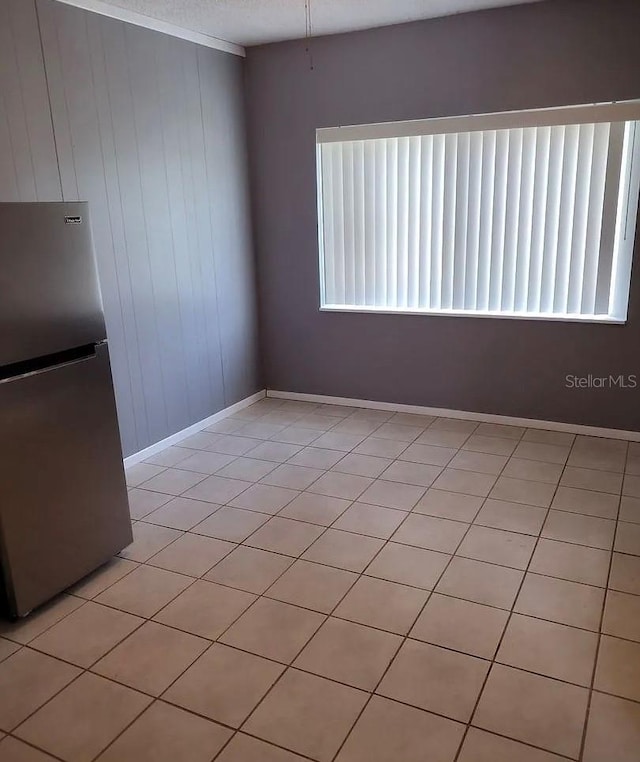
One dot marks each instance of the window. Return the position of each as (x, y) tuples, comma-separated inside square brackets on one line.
[(521, 214)]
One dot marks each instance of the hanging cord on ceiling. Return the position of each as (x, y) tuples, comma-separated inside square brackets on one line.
[(307, 31)]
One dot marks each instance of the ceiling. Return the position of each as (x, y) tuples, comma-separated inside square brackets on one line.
[(252, 22)]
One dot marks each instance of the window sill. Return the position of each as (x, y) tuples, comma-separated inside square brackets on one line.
[(475, 314)]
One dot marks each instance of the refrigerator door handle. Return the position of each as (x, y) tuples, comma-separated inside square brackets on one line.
[(37, 371)]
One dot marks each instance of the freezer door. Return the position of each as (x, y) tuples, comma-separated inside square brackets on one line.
[(49, 292), (63, 499)]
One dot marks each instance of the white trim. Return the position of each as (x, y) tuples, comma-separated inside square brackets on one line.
[(140, 19), (553, 316), (621, 111), (507, 420), (194, 429)]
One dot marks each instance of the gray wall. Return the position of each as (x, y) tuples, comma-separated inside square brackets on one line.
[(547, 54), (150, 130)]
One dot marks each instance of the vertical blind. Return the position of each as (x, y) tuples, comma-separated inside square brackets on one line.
[(529, 221)]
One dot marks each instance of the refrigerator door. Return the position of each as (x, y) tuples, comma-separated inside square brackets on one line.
[(49, 292), (64, 508)]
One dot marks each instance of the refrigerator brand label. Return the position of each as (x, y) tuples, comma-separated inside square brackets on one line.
[(75, 220)]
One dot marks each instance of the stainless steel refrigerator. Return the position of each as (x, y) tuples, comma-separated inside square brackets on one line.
[(63, 498)]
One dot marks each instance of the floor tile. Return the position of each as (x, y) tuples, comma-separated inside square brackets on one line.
[(296, 435), (277, 452), (285, 536), (87, 634), (249, 569), (205, 609), (431, 455), (408, 565), (398, 432), (335, 484), (148, 539), (499, 430), (316, 509), (560, 601), (587, 502), (533, 709), (307, 714), (630, 510), (362, 465), (203, 440), (372, 520), (548, 437), (631, 486), (618, 668), (389, 494), (141, 472), (317, 421), (28, 680), (173, 481), (216, 489), (586, 478), (105, 576), (232, 524), (259, 430), (385, 605), (622, 615), (293, 477), (407, 472), (232, 445), (152, 658), (145, 591), (7, 648), (628, 538), (533, 470), (164, 733), (461, 625), (572, 562), (582, 530), (143, 501), (339, 440), (192, 554), (523, 491), (548, 453), (181, 513), (388, 731), (480, 582), (381, 448), (550, 649), (613, 730), (480, 746), (273, 629), (343, 550), (625, 574), (467, 482), (205, 462), (449, 505), (512, 517), (435, 679), (244, 748), (84, 718), (412, 419), (442, 438), (430, 532), (497, 546), (480, 462), (312, 586), (349, 653), (317, 456), (490, 445), (224, 684), (598, 459), (454, 424), (13, 750), (264, 498)]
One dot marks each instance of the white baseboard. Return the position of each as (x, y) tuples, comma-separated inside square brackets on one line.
[(571, 428), (194, 429)]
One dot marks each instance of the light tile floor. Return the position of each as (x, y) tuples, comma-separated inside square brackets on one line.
[(320, 582)]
